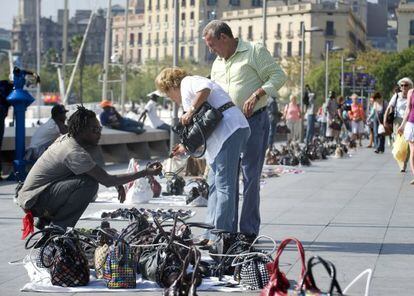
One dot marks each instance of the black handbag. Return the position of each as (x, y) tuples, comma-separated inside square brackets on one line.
[(204, 122)]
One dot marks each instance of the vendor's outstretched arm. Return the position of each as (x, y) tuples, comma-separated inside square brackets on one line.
[(108, 180)]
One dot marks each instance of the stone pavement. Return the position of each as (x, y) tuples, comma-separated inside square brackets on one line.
[(357, 212)]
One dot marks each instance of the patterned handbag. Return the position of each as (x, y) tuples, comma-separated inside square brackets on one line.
[(120, 267), (101, 253), (278, 284), (251, 267), (69, 267)]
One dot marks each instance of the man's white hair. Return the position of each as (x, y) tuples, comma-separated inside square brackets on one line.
[(407, 80)]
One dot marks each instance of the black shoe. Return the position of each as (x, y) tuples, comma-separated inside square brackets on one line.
[(376, 151), (250, 237)]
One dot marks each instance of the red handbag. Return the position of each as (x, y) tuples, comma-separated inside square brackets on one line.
[(279, 284)]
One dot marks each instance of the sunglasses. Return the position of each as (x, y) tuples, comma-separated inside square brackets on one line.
[(404, 85)]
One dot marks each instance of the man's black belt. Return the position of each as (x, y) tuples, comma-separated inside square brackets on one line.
[(225, 106), (258, 111)]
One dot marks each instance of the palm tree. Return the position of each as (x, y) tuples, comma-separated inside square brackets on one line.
[(75, 44)]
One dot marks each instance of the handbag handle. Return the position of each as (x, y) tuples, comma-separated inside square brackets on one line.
[(329, 267), (275, 266)]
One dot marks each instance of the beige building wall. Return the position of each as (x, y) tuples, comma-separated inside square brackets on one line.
[(151, 34), (284, 23), (405, 23)]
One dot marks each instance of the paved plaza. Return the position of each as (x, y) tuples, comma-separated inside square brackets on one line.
[(357, 212)]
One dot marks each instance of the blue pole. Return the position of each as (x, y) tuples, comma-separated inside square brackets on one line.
[(20, 99)]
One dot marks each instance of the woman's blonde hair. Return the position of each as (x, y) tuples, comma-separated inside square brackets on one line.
[(169, 78)]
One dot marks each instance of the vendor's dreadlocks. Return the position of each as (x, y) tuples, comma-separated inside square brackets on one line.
[(79, 120)]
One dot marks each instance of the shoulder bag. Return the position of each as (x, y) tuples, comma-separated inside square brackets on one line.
[(204, 122)]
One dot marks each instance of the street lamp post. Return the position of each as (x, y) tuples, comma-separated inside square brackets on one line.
[(264, 21), (302, 70)]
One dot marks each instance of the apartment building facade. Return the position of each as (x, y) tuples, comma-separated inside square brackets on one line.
[(340, 28), (405, 23), (151, 34)]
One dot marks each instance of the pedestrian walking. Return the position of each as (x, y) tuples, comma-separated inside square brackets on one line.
[(370, 124), (274, 117), (377, 117), (322, 120), (396, 110), (334, 121), (292, 116), (407, 127), (357, 117), (223, 146), (310, 105), (248, 73)]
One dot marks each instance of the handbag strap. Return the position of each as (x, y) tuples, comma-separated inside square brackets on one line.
[(329, 267), (301, 251), (226, 106)]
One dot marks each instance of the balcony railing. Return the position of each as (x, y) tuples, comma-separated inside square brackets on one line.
[(278, 35), (330, 32), (289, 34)]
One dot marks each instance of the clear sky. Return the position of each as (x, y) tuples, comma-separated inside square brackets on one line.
[(49, 8)]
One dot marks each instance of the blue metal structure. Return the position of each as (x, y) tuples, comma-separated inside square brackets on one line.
[(20, 99)]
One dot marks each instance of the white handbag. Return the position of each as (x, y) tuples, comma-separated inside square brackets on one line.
[(381, 129)]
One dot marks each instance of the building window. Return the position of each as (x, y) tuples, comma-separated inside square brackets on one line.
[(211, 2), (166, 18), (329, 43), (139, 56), (139, 38), (300, 48), (240, 32), (329, 31), (183, 3), (191, 52), (149, 53), (277, 50), (355, 6), (149, 4), (131, 39), (166, 4), (183, 16), (289, 49), (192, 2), (192, 15), (411, 27), (116, 40), (131, 55), (300, 28), (182, 52), (278, 33), (165, 52), (411, 43), (234, 2), (158, 5), (256, 3), (250, 33), (211, 15), (165, 40), (157, 57)]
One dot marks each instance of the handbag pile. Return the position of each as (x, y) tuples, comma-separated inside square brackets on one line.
[(165, 252)]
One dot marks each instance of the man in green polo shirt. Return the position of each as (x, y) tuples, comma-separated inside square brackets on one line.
[(248, 73)]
